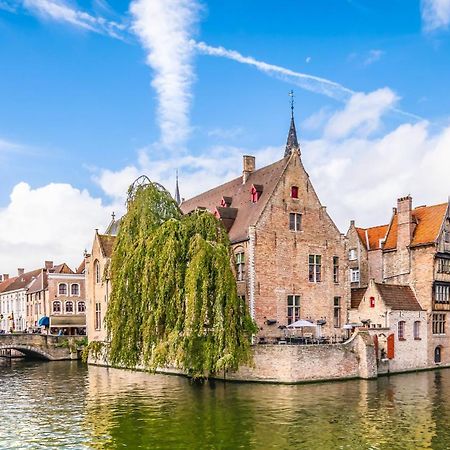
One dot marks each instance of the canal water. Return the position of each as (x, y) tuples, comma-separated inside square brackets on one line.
[(66, 405)]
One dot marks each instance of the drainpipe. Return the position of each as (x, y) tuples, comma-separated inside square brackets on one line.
[(251, 271)]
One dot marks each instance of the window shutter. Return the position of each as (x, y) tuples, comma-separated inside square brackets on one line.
[(390, 346)]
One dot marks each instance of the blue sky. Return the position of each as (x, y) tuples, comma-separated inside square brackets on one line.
[(93, 93)]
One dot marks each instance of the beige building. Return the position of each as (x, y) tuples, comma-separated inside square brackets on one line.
[(397, 323), (98, 286)]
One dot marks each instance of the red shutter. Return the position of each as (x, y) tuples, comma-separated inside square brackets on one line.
[(390, 346), (372, 302)]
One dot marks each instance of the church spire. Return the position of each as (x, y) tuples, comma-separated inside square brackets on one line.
[(292, 142), (177, 192)]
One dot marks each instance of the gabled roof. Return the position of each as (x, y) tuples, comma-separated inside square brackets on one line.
[(61, 268), (106, 244), (398, 297), (81, 267), (357, 295), (429, 220), (4, 284), (40, 283), (371, 237), (22, 281), (247, 212)]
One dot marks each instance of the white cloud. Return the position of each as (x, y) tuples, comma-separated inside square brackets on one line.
[(60, 11), (373, 56), (165, 29), (54, 222), (361, 114), (435, 14)]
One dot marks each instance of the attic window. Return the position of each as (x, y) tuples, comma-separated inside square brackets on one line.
[(294, 191), (256, 192), (226, 202)]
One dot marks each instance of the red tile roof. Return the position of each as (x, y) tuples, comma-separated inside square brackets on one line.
[(398, 297), (247, 212), (81, 267), (22, 281), (429, 220), (6, 283), (370, 237)]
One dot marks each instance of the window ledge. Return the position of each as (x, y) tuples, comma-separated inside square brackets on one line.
[(417, 339), (402, 339)]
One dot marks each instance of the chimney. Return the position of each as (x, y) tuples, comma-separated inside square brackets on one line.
[(405, 225), (48, 265), (352, 223), (5, 276), (248, 167), (20, 272)]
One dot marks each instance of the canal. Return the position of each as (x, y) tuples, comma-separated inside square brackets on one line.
[(71, 406)]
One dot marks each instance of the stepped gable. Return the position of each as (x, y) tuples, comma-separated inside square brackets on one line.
[(248, 212), (428, 221), (371, 237), (398, 297)]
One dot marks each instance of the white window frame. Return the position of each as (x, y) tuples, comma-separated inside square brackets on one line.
[(60, 285), (352, 254), (355, 276)]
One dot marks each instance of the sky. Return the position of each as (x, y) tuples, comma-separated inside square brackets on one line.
[(94, 93)]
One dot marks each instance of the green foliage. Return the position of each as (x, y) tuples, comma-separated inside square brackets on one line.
[(94, 348), (174, 300)]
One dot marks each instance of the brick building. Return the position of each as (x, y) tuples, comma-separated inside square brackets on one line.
[(414, 251), (290, 257)]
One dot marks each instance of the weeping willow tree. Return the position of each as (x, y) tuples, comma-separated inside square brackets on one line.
[(174, 300)]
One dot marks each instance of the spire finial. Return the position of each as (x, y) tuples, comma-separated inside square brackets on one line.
[(291, 94), (292, 142), (113, 215), (177, 190)]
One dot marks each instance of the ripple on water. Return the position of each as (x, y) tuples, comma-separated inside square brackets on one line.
[(66, 405)]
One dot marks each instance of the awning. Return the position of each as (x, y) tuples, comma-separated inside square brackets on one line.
[(44, 321), (301, 324), (68, 321)]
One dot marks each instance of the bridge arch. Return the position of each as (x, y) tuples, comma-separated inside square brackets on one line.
[(28, 351)]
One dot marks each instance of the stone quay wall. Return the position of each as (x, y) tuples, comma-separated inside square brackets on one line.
[(302, 363)]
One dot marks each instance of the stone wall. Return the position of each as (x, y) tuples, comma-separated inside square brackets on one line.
[(306, 363)]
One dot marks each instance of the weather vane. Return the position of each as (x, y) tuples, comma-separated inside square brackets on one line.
[(291, 94)]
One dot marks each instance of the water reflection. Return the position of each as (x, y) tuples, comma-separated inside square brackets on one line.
[(66, 405)]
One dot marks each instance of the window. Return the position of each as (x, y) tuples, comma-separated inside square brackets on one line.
[(416, 330), (442, 293), (97, 272), (315, 268), (98, 316), (354, 275), (81, 307), (293, 308), (443, 265), (256, 193), (295, 221), (352, 256), (69, 307), (75, 289), (438, 324), (372, 302), (336, 269), (240, 266), (337, 312), (401, 330), (294, 191), (62, 289)]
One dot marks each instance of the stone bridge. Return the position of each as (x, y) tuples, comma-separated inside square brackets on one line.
[(41, 346)]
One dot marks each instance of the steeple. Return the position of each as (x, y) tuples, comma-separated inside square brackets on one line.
[(177, 192), (292, 142)]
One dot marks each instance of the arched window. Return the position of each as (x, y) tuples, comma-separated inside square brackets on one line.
[(75, 289), (56, 307), (62, 289), (438, 354), (81, 307), (417, 329), (69, 307), (98, 278), (401, 330)]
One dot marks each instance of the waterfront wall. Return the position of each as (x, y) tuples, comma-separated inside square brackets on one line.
[(302, 363), (305, 363)]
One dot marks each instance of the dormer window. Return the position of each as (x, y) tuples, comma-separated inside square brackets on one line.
[(226, 202), (256, 192), (294, 191)]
